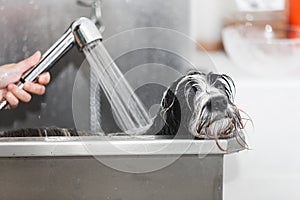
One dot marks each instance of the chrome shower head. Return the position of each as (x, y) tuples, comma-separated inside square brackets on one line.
[(82, 32), (85, 32)]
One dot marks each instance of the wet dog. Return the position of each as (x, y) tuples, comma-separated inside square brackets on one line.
[(201, 105)]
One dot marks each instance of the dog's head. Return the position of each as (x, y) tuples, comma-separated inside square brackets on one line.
[(201, 104)]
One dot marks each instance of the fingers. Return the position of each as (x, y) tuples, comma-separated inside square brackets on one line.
[(11, 99), (18, 93), (44, 78), (14, 94), (26, 64), (34, 88), (29, 87), (13, 72)]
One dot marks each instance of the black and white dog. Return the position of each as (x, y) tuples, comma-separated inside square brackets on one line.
[(200, 104)]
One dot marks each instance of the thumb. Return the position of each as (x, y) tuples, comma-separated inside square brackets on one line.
[(28, 63)]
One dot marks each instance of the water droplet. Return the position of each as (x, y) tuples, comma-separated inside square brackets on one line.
[(31, 2), (43, 105), (2, 7), (39, 116)]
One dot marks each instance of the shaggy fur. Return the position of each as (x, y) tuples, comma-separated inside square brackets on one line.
[(199, 104)]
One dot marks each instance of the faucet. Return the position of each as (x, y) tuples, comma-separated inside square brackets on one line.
[(81, 32)]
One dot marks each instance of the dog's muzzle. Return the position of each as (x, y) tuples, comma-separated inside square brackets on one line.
[(217, 104)]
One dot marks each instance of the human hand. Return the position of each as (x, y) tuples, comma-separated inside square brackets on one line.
[(11, 74)]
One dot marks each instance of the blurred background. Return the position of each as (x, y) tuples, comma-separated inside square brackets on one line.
[(256, 42)]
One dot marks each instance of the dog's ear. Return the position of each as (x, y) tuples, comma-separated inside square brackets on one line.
[(176, 105), (229, 86), (177, 91), (169, 96), (168, 119)]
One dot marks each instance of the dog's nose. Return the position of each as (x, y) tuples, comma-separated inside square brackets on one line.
[(218, 103)]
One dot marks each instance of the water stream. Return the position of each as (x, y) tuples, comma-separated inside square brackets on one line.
[(128, 110)]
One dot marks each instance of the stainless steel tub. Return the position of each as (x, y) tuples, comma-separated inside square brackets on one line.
[(115, 168)]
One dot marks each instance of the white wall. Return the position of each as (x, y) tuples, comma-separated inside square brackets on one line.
[(271, 170), (207, 18)]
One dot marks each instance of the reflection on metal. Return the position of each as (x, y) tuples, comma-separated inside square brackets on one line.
[(85, 178), (111, 146)]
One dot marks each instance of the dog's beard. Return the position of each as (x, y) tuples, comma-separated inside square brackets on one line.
[(207, 122), (212, 125)]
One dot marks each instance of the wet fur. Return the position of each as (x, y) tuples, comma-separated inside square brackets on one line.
[(182, 107)]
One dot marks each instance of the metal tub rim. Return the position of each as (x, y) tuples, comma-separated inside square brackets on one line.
[(111, 146)]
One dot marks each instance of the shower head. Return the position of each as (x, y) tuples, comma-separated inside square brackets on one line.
[(82, 32), (85, 32)]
